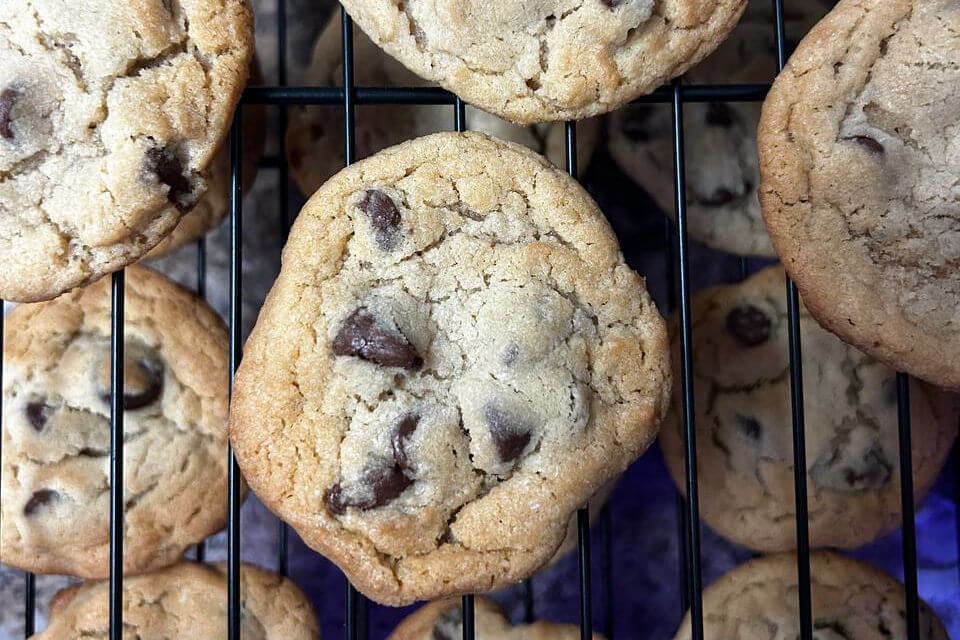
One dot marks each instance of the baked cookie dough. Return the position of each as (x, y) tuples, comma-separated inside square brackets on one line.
[(186, 600), (547, 60), (720, 137), (315, 135), (860, 166), (850, 601), (55, 470), (745, 435), (453, 359), (443, 620), (109, 120)]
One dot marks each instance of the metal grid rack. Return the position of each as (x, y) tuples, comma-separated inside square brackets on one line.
[(350, 95)]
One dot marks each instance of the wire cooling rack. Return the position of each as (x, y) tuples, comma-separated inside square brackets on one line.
[(356, 607)]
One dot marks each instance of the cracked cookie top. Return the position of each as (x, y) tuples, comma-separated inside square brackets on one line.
[(851, 601), (56, 428), (537, 61), (109, 120), (186, 600), (443, 620), (453, 359), (721, 145), (860, 164), (744, 425), (315, 135)]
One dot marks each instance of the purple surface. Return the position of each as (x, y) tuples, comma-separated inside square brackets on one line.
[(643, 571)]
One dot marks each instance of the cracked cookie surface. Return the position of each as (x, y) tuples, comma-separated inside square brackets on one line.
[(744, 425), (721, 145), (109, 120), (443, 620), (860, 179), (538, 61), (315, 135), (850, 601), (453, 359), (56, 435), (186, 600)]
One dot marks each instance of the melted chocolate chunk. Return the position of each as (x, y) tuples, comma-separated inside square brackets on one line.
[(610, 4), (359, 336), (510, 435), (636, 122), (748, 325), (37, 415), (720, 114), (384, 217), (7, 99), (39, 499), (168, 169), (142, 377), (869, 144), (750, 427), (379, 484), (405, 429)]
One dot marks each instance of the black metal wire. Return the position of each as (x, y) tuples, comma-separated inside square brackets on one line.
[(469, 619), (434, 95), (116, 457), (283, 179), (236, 282), (694, 577), (353, 611), (30, 604), (796, 401), (528, 601), (201, 244), (906, 500)]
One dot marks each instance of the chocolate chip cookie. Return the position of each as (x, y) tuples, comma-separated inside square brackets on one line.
[(214, 205), (109, 120), (315, 135), (851, 601), (744, 426), (56, 428), (453, 359), (721, 144), (186, 600), (860, 165), (443, 620), (540, 61)]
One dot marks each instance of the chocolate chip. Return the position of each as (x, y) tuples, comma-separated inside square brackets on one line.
[(610, 4), (846, 468), (510, 434), (37, 415), (384, 217), (405, 428), (750, 427), (510, 354), (359, 336), (7, 99), (380, 484), (142, 377), (748, 325), (39, 499), (635, 122), (870, 144), (720, 114), (164, 164)]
